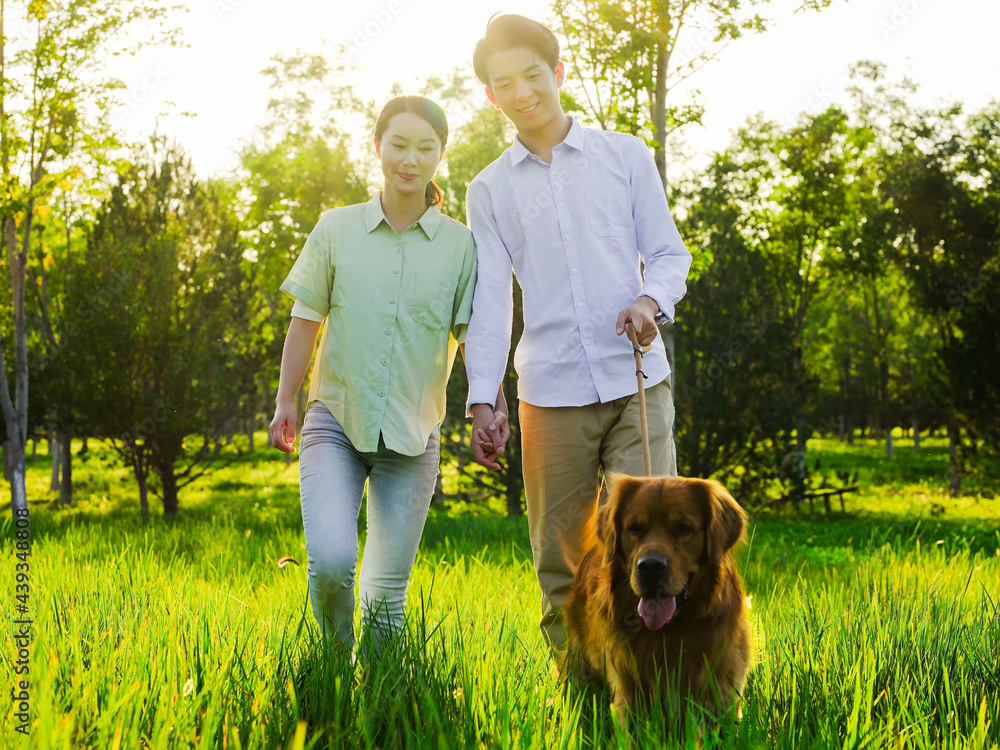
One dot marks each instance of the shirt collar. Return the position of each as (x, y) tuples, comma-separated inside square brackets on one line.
[(574, 139), (430, 222)]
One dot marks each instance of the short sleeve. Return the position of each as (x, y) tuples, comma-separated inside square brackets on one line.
[(311, 278), (462, 309), (301, 310)]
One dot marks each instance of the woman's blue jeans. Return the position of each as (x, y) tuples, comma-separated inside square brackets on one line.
[(332, 475)]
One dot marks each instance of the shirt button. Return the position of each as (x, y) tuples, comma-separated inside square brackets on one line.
[(388, 331), (561, 203), (381, 394), (574, 270), (587, 341), (392, 300), (395, 270), (397, 243), (385, 362), (567, 236), (579, 304)]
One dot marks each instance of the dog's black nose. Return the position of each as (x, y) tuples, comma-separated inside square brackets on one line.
[(651, 566)]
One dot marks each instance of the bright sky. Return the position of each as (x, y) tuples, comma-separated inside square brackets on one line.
[(948, 47)]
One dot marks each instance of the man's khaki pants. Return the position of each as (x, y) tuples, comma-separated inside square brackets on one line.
[(564, 450)]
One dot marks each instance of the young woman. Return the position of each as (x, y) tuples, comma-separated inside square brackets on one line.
[(393, 279)]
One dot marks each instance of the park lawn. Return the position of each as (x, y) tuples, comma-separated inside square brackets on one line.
[(876, 627)]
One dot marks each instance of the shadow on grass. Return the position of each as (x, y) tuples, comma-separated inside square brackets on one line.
[(869, 531)]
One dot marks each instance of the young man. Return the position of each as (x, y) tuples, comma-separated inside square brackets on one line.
[(571, 211)]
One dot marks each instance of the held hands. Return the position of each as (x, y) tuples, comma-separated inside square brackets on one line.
[(285, 419), (490, 433), (640, 314)]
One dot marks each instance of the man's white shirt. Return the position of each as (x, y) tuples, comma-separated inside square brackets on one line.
[(573, 233)]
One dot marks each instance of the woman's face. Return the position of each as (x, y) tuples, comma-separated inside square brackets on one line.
[(410, 152)]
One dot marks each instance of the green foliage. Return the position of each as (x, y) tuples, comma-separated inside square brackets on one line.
[(736, 343), (868, 238), (158, 319), (629, 55), (55, 96), (941, 184), (874, 628), (471, 147)]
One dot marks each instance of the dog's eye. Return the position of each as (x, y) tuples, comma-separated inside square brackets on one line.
[(634, 529), (684, 530)]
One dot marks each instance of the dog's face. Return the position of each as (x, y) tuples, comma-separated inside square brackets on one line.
[(663, 532)]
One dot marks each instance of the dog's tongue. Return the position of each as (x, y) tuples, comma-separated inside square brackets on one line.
[(657, 612)]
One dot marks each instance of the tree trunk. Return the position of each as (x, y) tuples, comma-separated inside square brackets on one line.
[(140, 477), (15, 412), (513, 477), (18, 487), (168, 480), (913, 404), (659, 116), (55, 449), (66, 450), (883, 371), (846, 413), (954, 460), (798, 468)]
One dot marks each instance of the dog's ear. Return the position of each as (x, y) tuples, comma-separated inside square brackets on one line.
[(726, 521), (620, 489)]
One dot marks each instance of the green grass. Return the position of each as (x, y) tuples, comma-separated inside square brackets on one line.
[(878, 627)]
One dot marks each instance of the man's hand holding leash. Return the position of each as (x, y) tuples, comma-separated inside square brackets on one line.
[(642, 315)]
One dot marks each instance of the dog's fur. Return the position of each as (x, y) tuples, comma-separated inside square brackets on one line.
[(702, 651)]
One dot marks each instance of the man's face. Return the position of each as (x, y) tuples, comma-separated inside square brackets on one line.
[(524, 88)]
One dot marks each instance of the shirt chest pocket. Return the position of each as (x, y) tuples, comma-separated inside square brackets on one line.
[(610, 212), (429, 300)]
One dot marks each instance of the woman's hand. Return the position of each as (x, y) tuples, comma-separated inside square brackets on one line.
[(282, 428), (300, 341)]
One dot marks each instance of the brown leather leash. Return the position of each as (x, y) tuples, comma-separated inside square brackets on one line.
[(640, 377)]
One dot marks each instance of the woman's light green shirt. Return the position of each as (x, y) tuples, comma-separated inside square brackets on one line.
[(396, 308)]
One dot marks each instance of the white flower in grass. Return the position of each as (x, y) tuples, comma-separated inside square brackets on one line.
[(188, 687)]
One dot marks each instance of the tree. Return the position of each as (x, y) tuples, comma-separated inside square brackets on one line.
[(54, 103), (777, 205), (733, 412), (940, 186), (632, 53), (164, 292)]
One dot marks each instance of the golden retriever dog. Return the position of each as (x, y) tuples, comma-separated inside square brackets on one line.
[(657, 608)]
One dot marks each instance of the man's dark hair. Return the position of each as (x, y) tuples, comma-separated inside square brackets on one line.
[(509, 30)]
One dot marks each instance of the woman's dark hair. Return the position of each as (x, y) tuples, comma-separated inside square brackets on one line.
[(426, 110), (509, 30)]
